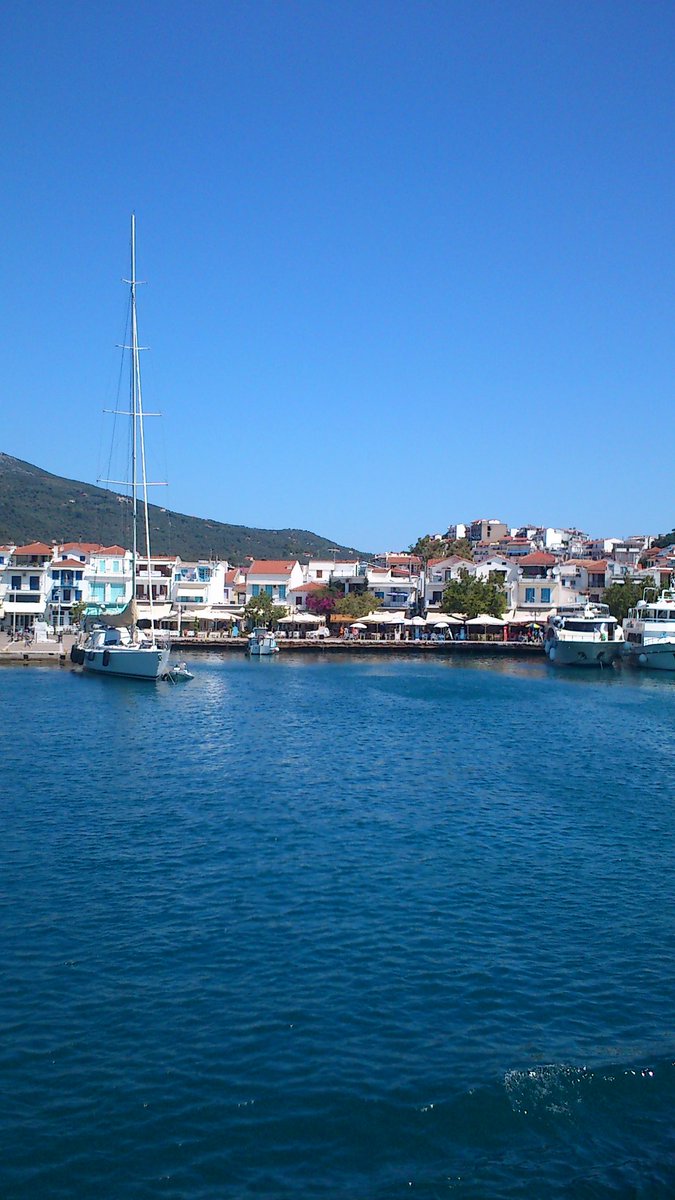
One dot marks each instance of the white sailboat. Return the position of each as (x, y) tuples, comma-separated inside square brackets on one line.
[(116, 645)]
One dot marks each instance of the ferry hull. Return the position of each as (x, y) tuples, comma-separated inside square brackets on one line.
[(128, 662)]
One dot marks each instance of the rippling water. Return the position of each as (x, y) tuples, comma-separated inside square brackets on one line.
[(347, 929)]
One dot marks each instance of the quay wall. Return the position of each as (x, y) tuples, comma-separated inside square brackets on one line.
[(340, 646)]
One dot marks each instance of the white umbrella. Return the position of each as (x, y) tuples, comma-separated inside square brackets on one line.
[(301, 618), (358, 625), (486, 619), (443, 619), (442, 624), (374, 618), (418, 621)]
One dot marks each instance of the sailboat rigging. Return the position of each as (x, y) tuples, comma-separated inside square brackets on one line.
[(116, 645)]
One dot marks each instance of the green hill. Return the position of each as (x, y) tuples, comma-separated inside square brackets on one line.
[(38, 506)]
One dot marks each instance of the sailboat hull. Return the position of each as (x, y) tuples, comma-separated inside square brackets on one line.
[(131, 662)]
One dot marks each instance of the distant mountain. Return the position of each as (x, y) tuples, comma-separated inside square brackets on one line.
[(38, 506)]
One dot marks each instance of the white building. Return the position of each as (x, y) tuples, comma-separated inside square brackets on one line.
[(274, 578), (396, 587), (26, 582)]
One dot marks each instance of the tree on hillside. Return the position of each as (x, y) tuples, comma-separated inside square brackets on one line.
[(461, 547), (357, 604), (262, 610), (430, 547), (622, 596), (474, 596)]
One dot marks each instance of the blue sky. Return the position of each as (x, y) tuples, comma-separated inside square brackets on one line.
[(408, 263)]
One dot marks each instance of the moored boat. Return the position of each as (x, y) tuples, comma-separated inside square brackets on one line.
[(262, 641), (115, 644), (584, 635), (649, 630)]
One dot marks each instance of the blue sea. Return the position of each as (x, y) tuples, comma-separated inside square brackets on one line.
[(358, 929)]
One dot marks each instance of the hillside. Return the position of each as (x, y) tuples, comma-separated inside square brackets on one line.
[(38, 506)]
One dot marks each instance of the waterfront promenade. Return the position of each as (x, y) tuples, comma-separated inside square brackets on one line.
[(51, 652)]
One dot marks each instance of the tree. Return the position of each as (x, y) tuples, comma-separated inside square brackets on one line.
[(357, 604), (461, 547), (77, 611), (323, 600), (622, 596), (431, 547), (474, 596), (262, 610)]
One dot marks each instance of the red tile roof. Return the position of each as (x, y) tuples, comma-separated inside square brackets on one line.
[(67, 564), (539, 558), (308, 587), (271, 566), (34, 548)]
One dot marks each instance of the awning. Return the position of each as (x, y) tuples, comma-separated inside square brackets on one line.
[(158, 612), (11, 607), (518, 616), (486, 619), (302, 618)]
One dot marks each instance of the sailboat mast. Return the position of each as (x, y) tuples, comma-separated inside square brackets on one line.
[(134, 408)]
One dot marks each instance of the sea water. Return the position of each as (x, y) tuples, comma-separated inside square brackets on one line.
[(313, 928)]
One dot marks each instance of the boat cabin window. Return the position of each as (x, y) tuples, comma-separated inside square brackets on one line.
[(586, 626)]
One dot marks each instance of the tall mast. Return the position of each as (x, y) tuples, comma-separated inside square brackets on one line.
[(134, 406)]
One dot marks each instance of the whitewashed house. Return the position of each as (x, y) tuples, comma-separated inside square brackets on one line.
[(439, 573), (397, 587), (200, 590), (107, 577), (27, 583), (274, 578)]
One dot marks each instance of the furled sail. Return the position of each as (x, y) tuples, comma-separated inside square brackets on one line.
[(128, 616)]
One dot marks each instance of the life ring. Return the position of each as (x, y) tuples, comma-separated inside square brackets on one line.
[(106, 658)]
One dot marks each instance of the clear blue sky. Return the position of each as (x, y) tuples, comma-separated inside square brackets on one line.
[(409, 263)]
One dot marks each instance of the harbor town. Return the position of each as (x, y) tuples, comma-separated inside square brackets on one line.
[(421, 600)]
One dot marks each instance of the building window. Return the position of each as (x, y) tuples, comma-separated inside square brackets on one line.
[(35, 583), (268, 589), (546, 595), (255, 589), (319, 574), (66, 594), (282, 591), (529, 595), (16, 583)]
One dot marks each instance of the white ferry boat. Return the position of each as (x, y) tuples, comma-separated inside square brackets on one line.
[(584, 635), (649, 630)]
